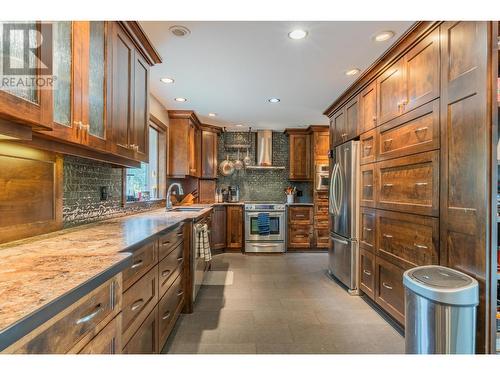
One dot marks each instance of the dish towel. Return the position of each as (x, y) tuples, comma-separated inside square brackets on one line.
[(263, 224), (204, 243)]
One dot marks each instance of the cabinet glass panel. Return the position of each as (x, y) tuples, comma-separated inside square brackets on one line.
[(97, 77), (13, 51), (61, 50)]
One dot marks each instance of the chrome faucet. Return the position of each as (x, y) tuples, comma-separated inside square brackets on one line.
[(169, 191)]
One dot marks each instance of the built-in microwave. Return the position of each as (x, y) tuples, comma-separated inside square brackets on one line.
[(322, 179)]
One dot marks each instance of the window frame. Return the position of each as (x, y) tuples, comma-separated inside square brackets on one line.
[(163, 133)]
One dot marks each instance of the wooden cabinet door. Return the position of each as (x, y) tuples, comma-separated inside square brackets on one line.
[(368, 108), (367, 273), (108, 341), (367, 186), (219, 227), (368, 147), (321, 141), (234, 222), (299, 236), (121, 101), (422, 72), (208, 154), (96, 83), (300, 157), (192, 149), (466, 157), (367, 228), (140, 125), (389, 289), (390, 92), (145, 340), (351, 119), (338, 127), (31, 105)]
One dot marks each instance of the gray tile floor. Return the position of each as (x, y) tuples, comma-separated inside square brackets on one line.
[(280, 304)]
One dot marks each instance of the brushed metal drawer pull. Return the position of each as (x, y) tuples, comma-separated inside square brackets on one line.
[(137, 304), (368, 186), (300, 215), (387, 286), (165, 273), (92, 315), (418, 130), (421, 183), (180, 259), (366, 272), (389, 236), (367, 229), (180, 293), (137, 264), (420, 246), (368, 147), (179, 234), (388, 185), (166, 315)]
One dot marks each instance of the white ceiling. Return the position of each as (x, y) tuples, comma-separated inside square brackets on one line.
[(233, 68)]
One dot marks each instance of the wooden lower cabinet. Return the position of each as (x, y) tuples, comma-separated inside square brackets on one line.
[(389, 289), (108, 341), (145, 339), (169, 308), (367, 272), (300, 227), (219, 227), (234, 227)]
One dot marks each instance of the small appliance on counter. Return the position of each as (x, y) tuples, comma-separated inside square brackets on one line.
[(233, 194)]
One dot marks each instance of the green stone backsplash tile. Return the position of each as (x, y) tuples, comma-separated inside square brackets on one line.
[(256, 185)]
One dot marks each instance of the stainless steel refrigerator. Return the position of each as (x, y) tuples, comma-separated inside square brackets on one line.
[(343, 209)]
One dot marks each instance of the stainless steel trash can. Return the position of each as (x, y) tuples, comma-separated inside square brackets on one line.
[(440, 311)]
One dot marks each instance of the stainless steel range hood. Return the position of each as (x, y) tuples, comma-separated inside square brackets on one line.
[(264, 151)]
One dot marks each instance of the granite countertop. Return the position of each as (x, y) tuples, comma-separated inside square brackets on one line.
[(300, 204), (42, 275)]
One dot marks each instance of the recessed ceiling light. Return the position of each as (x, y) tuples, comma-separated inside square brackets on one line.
[(239, 125), (167, 80), (383, 36), (297, 34), (352, 72), (211, 114), (274, 100), (179, 30), (180, 99)]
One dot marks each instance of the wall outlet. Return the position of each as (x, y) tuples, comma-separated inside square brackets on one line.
[(104, 193), (299, 193)]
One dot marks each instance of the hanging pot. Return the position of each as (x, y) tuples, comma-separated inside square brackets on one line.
[(247, 160), (238, 164), (226, 167)]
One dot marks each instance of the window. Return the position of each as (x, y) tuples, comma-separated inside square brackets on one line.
[(147, 182)]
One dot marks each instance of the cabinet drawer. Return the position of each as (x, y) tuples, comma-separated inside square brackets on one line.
[(142, 260), (108, 341), (367, 272), (367, 147), (409, 240), (321, 197), (367, 228), (138, 301), (321, 221), (299, 214), (414, 132), (322, 237), (299, 236), (389, 290), (169, 309), (170, 267), (169, 241), (409, 184), (145, 339), (321, 209), (79, 322), (367, 186)]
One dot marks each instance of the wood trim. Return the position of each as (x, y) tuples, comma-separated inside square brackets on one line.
[(141, 41), (184, 114), (289, 131), (318, 128), (12, 130), (211, 128), (411, 37)]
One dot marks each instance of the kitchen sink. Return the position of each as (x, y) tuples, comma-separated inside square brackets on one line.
[(187, 209)]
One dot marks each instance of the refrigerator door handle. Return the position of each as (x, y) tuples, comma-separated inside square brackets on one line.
[(343, 242), (331, 200), (340, 196)]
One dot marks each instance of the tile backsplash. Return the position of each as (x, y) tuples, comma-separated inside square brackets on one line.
[(260, 185), (82, 203)]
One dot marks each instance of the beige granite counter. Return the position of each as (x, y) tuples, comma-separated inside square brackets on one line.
[(40, 270)]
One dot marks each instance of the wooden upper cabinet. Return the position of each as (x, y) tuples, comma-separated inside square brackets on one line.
[(28, 105), (140, 128), (185, 142), (390, 88), (209, 142), (422, 73), (299, 155), (320, 143), (338, 126), (368, 108), (351, 119)]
